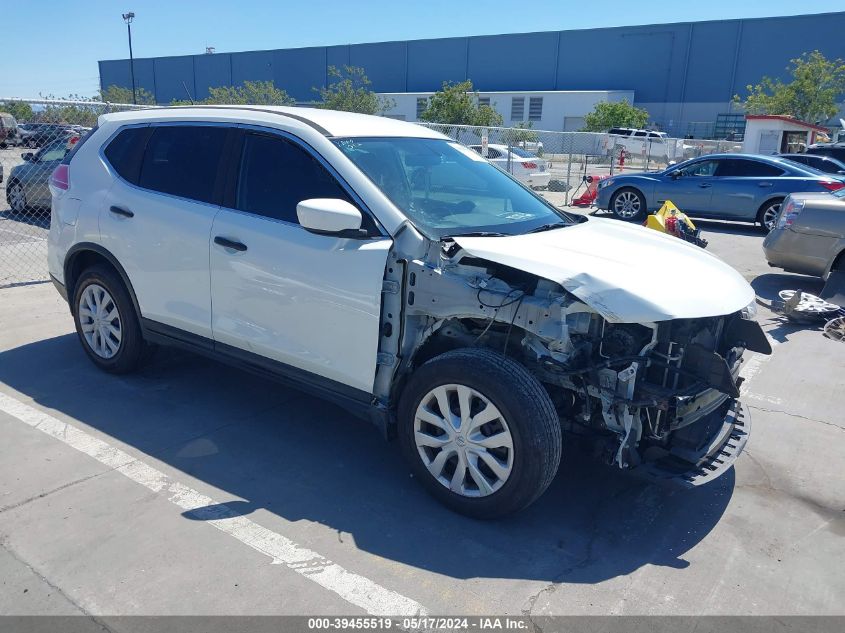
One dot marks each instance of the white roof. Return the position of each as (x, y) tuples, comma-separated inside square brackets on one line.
[(327, 122)]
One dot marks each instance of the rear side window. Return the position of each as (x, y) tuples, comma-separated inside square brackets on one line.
[(743, 168), (275, 175), (834, 152), (125, 152), (183, 160)]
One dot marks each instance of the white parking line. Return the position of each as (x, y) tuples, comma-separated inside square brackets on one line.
[(355, 589)]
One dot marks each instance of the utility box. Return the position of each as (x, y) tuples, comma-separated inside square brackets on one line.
[(778, 134)]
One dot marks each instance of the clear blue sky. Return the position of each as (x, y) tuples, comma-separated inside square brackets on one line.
[(60, 56)]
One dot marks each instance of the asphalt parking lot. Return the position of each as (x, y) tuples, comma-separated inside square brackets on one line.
[(193, 488)]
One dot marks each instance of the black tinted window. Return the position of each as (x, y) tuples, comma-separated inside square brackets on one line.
[(834, 152), (276, 175), (183, 160), (739, 167)]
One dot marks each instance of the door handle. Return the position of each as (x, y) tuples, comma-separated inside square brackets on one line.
[(126, 213), (764, 184), (235, 246), (704, 185)]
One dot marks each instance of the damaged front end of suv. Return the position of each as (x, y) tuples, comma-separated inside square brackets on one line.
[(647, 371)]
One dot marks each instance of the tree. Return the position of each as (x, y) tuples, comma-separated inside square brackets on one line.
[(350, 91), (21, 110), (251, 93), (118, 94), (817, 83), (457, 104), (608, 114)]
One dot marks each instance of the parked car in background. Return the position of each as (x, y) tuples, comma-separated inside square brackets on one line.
[(386, 267), (655, 145), (834, 150), (809, 236), (28, 186), (524, 165), (8, 130), (37, 135), (744, 187), (823, 163)]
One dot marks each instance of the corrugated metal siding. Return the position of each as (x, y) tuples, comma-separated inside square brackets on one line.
[(690, 62)]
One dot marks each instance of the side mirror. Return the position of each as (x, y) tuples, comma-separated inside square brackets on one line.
[(330, 216), (28, 156), (677, 174)]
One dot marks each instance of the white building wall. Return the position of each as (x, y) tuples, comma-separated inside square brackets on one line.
[(561, 110)]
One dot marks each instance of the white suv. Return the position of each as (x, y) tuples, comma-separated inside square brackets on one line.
[(386, 267)]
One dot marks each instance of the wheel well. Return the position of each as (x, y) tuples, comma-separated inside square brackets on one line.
[(92, 255), (460, 333), (839, 262), (766, 204)]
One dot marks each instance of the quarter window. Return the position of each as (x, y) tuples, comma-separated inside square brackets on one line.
[(276, 175), (183, 160), (125, 152)]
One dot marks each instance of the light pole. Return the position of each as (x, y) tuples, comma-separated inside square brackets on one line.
[(128, 17)]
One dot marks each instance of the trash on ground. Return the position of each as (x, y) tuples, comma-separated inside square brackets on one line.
[(672, 221)]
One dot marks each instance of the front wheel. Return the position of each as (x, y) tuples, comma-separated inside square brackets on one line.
[(768, 214), (16, 197), (628, 204), (479, 432)]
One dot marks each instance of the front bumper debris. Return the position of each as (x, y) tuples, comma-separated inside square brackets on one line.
[(690, 465)]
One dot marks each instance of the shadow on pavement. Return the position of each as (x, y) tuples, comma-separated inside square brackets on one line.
[(289, 454)]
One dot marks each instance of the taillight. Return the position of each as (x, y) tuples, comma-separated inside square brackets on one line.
[(529, 165), (832, 185), (61, 177), (789, 213)]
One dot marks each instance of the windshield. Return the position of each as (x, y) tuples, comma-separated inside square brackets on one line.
[(447, 189)]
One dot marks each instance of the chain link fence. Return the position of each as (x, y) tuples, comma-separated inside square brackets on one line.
[(557, 164), (35, 135)]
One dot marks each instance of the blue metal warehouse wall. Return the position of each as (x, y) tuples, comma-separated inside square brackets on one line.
[(704, 62)]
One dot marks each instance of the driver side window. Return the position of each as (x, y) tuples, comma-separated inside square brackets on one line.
[(702, 168)]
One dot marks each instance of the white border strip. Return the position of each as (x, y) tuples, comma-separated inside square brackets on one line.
[(355, 589)]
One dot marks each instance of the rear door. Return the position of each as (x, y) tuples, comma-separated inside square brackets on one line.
[(156, 218), (311, 302), (742, 185)]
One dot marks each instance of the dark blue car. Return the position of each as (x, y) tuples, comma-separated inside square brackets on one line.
[(743, 187)]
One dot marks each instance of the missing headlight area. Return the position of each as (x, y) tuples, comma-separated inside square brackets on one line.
[(657, 394)]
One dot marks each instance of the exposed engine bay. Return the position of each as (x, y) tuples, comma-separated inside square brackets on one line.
[(659, 393)]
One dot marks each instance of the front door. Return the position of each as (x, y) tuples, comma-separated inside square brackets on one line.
[(691, 189), (312, 302)]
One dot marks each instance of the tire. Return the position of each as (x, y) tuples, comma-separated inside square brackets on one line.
[(631, 204), (16, 197), (115, 354), (768, 214), (522, 415)]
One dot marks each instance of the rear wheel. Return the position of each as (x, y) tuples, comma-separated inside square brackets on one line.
[(106, 322), (628, 204), (767, 217), (479, 432)]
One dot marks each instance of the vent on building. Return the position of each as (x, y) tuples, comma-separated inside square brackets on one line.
[(535, 109), (517, 108), (422, 106), (483, 101)]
